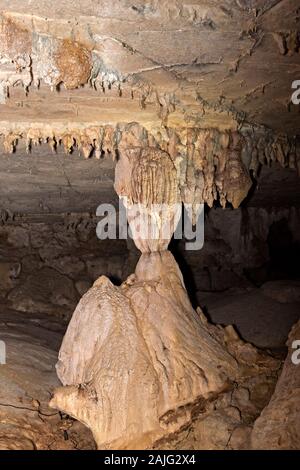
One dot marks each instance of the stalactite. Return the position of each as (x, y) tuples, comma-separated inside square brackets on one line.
[(287, 42), (6, 216), (139, 374)]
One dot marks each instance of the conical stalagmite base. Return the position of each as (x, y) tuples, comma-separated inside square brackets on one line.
[(137, 359)]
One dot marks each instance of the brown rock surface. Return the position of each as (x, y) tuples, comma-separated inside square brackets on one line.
[(26, 384)]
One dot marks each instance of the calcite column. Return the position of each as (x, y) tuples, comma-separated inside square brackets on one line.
[(137, 360)]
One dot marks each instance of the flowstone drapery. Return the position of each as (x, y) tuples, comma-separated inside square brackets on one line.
[(138, 361)]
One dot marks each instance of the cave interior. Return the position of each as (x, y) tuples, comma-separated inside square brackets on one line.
[(201, 90)]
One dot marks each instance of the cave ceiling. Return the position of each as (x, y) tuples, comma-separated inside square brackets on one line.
[(169, 66)]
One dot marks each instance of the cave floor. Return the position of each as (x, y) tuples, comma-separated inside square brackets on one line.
[(32, 341), (27, 381)]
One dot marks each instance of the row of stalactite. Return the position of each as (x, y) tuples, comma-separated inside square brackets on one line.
[(210, 165)]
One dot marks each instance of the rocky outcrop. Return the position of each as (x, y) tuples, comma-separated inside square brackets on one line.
[(134, 83), (109, 80), (278, 426)]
